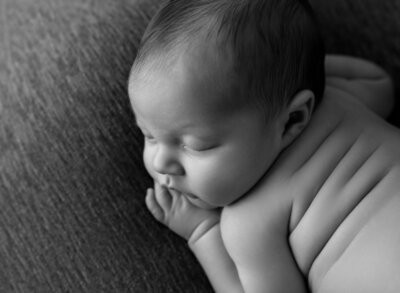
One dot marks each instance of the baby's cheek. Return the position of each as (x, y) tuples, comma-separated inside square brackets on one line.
[(231, 183), (200, 175), (213, 184)]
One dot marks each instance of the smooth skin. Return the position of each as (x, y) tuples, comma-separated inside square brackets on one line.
[(283, 207)]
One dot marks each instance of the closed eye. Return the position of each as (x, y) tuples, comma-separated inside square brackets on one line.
[(198, 149)]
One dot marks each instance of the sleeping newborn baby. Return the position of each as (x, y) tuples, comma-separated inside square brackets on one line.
[(279, 181)]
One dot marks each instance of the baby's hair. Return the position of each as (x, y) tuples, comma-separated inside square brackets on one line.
[(275, 46)]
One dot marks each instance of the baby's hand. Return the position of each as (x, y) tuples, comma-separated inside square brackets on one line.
[(178, 214)]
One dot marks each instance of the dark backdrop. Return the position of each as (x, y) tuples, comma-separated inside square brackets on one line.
[(72, 217)]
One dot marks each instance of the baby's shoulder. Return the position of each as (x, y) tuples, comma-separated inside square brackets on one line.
[(261, 214), (254, 227)]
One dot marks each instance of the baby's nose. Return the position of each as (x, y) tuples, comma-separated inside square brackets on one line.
[(166, 162)]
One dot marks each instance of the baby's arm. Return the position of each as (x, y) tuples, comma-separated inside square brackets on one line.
[(210, 251), (256, 238), (363, 80), (202, 230)]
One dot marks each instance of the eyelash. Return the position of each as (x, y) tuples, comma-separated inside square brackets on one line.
[(187, 148), (203, 150)]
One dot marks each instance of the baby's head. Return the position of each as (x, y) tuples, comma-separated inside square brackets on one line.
[(220, 87)]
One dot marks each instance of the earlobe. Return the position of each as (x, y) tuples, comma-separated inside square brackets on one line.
[(298, 114)]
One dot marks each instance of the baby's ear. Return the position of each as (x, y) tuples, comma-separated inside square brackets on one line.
[(297, 116)]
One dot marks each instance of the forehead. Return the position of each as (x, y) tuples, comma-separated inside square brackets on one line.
[(196, 63), (195, 86)]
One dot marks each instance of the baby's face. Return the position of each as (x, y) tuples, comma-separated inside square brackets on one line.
[(196, 141)]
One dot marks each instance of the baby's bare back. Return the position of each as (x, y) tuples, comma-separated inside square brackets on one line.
[(344, 228), (338, 186)]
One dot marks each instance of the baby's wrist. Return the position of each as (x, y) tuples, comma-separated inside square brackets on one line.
[(202, 229)]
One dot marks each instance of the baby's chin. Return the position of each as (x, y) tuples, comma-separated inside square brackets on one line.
[(199, 203), (219, 202)]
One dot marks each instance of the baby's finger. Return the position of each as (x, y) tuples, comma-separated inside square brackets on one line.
[(164, 198), (153, 205)]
